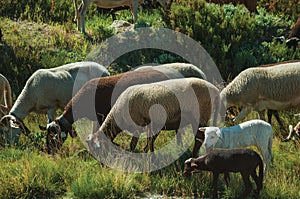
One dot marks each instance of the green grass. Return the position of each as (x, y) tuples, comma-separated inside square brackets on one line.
[(73, 173), (34, 37)]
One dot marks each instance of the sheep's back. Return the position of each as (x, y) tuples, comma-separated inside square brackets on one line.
[(176, 70), (175, 96), (278, 83), (247, 131)]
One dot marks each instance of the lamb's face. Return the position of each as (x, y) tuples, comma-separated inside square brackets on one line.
[(211, 138), (188, 168), (9, 130)]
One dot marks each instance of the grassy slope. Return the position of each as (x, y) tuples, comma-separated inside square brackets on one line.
[(26, 172)]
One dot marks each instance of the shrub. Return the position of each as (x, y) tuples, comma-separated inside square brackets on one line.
[(233, 37)]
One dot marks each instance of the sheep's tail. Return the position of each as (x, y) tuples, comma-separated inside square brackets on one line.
[(7, 97)]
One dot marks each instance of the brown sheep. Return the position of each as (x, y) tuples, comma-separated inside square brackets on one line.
[(178, 102), (103, 92)]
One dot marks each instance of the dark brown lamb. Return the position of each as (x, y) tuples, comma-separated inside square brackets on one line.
[(224, 161)]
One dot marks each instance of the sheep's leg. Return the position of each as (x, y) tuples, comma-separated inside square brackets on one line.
[(178, 138), (50, 115), (135, 5), (199, 138), (227, 178), (76, 10), (245, 111), (149, 135), (134, 141), (291, 133), (262, 115), (247, 184), (265, 148), (276, 114), (82, 12), (150, 143), (215, 184), (257, 181)]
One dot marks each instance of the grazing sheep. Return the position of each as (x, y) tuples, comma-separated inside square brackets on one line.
[(100, 92), (224, 161), (167, 105), (261, 88), (5, 95), (172, 69), (83, 7), (49, 89), (293, 132), (250, 4), (270, 113), (147, 4), (256, 133)]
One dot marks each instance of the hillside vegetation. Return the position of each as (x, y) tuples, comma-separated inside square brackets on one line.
[(35, 36)]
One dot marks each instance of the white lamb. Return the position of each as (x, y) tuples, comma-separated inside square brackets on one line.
[(48, 90), (256, 133), (261, 88)]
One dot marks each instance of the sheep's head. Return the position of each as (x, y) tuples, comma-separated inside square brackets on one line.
[(57, 133), (189, 166), (194, 165), (293, 132), (211, 138), (55, 137), (11, 127)]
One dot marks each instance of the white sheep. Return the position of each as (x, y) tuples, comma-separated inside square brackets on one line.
[(256, 133), (168, 105), (261, 88), (175, 70), (5, 95), (50, 89)]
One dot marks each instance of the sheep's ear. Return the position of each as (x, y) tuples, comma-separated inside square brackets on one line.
[(188, 161), (202, 129)]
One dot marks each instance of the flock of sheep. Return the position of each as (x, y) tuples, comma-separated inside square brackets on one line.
[(154, 98)]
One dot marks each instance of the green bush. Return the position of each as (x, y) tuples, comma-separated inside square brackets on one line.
[(38, 10), (233, 37), (286, 8)]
